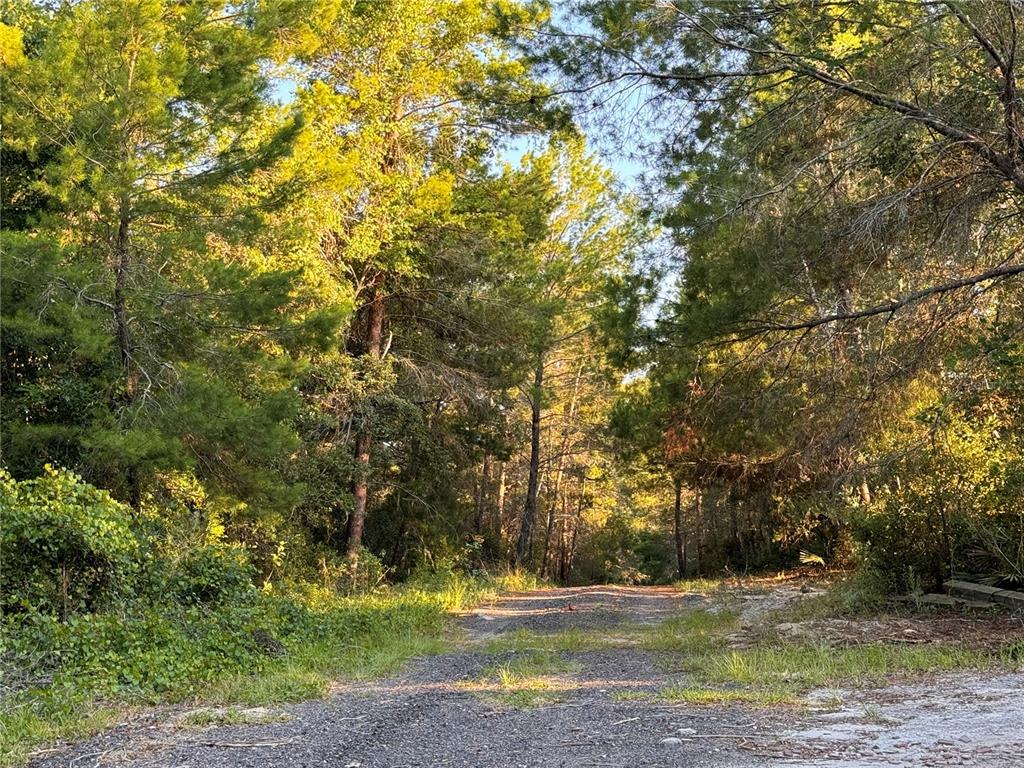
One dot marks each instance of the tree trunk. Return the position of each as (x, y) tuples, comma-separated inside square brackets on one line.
[(481, 495), (371, 348), (680, 536), (396, 549), (698, 516), (122, 270), (499, 505), (563, 542), (575, 533), (563, 448), (530, 506)]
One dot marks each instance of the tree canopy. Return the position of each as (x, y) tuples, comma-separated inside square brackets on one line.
[(347, 286)]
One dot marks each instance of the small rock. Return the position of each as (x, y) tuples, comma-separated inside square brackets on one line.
[(686, 731), (671, 741)]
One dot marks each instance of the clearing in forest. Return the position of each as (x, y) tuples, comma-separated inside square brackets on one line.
[(750, 675)]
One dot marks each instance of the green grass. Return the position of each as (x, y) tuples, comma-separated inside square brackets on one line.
[(529, 665), (778, 672), (694, 632), (528, 679), (568, 640), (803, 667), (218, 716), (783, 674), (111, 663), (308, 672)]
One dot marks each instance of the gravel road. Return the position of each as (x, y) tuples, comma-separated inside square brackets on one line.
[(426, 718), (431, 715)]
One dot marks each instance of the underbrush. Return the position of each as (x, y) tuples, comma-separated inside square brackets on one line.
[(65, 679), (104, 609)]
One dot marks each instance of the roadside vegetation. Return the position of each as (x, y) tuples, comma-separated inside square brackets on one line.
[(68, 679), (105, 611), (715, 657)]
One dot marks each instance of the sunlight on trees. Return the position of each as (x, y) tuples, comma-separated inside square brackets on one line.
[(341, 341)]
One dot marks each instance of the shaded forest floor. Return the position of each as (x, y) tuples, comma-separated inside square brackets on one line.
[(751, 674)]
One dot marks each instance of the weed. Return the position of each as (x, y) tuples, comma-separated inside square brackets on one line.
[(214, 716), (528, 679)]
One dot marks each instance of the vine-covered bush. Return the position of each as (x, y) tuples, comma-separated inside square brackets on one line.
[(65, 546), (211, 575)]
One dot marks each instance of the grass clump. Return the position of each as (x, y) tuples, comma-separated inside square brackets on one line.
[(528, 679), (217, 717), (801, 667), (694, 632), (568, 640)]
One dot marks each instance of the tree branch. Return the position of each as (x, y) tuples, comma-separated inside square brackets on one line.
[(998, 273)]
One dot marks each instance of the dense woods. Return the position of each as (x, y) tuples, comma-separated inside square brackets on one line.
[(310, 295), (835, 369), (269, 282)]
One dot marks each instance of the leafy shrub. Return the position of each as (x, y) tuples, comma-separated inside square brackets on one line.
[(65, 545), (211, 575), (927, 519)]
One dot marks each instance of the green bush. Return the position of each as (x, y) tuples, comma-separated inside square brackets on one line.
[(211, 575), (928, 513), (104, 605), (65, 546)]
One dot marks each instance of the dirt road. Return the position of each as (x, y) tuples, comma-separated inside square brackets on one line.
[(443, 711)]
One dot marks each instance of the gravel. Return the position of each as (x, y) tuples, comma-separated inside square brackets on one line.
[(425, 718), (428, 716)]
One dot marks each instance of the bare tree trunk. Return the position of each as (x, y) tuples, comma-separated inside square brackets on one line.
[(371, 348), (563, 541), (499, 504), (575, 535), (698, 516), (680, 536), (530, 506), (549, 531)]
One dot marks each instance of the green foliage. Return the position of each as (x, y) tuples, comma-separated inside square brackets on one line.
[(187, 626), (210, 575), (66, 546)]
